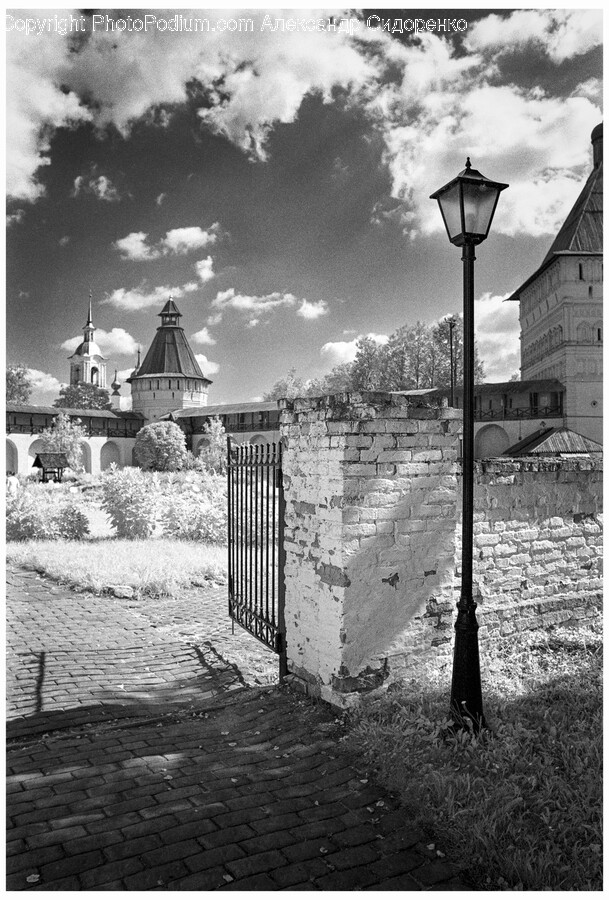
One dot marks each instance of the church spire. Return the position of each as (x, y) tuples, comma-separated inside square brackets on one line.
[(89, 327)]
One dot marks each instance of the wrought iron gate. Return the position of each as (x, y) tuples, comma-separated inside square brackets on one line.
[(256, 554)]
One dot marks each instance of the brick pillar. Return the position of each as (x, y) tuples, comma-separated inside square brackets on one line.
[(370, 488)]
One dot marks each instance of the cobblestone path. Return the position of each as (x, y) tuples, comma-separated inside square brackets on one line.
[(139, 759)]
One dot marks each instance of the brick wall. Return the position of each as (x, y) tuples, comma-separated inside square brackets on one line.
[(537, 542), (373, 532), (370, 490)]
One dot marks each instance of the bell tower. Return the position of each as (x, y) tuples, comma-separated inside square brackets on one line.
[(87, 363)]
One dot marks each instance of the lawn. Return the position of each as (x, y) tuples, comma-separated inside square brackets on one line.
[(156, 566), (521, 804)]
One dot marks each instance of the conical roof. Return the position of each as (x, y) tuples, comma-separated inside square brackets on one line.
[(170, 353)]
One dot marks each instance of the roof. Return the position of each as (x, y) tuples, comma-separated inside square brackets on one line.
[(539, 385), (226, 409), (553, 442), (170, 309), (51, 460), (87, 348), (582, 231), (170, 354), (84, 413)]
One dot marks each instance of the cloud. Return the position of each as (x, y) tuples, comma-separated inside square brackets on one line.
[(560, 33), (94, 185), (160, 199), (313, 309), (207, 367), (15, 218), (431, 103), (64, 241), (177, 242), (338, 352), (445, 107), (117, 342), (141, 297), (205, 269), (183, 240), (44, 383), (202, 337), (255, 306), (497, 336), (134, 247)]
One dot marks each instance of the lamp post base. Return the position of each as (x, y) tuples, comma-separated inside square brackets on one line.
[(466, 690)]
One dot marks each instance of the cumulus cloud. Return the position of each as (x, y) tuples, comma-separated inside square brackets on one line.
[(183, 240), (336, 353), (252, 305), (43, 383), (313, 309), (134, 299), (177, 242), (498, 336), (205, 269), (203, 337), (432, 105), (64, 241), (117, 342), (561, 33), (207, 367), (445, 107), (134, 247), (98, 186)]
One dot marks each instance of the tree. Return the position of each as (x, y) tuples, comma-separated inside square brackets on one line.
[(18, 384), (83, 396), (160, 446), (213, 455), (287, 388), (339, 380), (65, 436)]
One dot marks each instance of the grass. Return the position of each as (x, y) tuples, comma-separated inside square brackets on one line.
[(153, 567), (521, 804)]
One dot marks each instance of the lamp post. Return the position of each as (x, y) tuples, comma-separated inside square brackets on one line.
[(467, 204)]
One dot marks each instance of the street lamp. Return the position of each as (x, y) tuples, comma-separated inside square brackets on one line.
[(467, 204)]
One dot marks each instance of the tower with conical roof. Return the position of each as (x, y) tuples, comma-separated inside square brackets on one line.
[(169, 377), (561, 308), (87, 363)]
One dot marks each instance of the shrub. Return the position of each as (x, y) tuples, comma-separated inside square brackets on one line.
[(196, 510), (161, 447), (72, 524), (36, 516), (130, 499)]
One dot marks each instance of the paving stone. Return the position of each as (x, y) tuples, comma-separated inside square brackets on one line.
[(134, 790)]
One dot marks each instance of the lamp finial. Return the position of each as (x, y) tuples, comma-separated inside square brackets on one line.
[(468, 164)]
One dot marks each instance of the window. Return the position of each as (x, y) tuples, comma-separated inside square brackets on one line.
[(581, 272), (590, 292)]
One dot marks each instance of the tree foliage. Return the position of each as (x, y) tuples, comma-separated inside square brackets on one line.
[(213, 455), (83, 396), (65, 436), (414, 357), (18, 384), (161, 447)]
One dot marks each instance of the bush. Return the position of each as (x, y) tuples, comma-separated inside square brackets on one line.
[(195, 509), (130, 499), (35, 516), (160, 447)]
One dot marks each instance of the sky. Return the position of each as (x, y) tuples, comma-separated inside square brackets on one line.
[(275, 179)]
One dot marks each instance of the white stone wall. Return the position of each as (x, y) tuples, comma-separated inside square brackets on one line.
[(370, 537), (373, 491), (537, 543)]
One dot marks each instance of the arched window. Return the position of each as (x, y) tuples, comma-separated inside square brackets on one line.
[(581, 272)]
